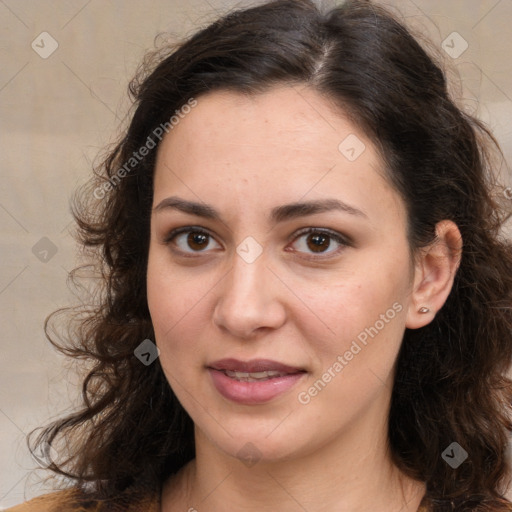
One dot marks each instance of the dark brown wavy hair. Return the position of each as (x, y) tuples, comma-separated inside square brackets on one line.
[(451, 383)]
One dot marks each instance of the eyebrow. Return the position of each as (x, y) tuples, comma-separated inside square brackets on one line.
[(278, 214)]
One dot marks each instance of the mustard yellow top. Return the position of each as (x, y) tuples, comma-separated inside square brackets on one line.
[(71, 501), (67, 501)]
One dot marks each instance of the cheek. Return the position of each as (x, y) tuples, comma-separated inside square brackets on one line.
[(354, 364), (365, 307), (174, 303)]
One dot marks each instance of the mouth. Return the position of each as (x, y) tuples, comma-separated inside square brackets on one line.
[(253, 376), (254, 370), (253, 382)]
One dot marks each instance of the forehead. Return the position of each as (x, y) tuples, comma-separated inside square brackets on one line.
[(296, 119), (289, 141)]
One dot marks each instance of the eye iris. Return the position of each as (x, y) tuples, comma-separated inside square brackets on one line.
[(319, 242), (197, 240)]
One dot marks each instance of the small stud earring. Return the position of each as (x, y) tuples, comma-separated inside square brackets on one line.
[(423, 310)]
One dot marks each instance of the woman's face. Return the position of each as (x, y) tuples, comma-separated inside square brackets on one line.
[(280, 305)]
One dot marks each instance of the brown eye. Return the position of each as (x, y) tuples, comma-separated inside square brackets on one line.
[(190, 241), (321, 242), (197, 241), (318, 242)]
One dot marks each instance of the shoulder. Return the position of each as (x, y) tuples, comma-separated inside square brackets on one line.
[(72, 500), (62, 501)]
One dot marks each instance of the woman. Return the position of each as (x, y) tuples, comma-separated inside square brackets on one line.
[(307, 227)]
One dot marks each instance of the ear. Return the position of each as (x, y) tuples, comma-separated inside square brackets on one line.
[(434, 272)]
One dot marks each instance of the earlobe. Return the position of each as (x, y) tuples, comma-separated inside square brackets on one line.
[(434, 273)]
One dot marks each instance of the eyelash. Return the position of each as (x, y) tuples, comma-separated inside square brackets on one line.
[(343, 241)]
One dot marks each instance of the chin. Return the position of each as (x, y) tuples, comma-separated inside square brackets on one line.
[(252, 442)]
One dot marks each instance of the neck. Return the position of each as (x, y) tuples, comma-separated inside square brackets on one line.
[(353, 472)]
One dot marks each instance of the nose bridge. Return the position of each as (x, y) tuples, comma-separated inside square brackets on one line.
[(248, 298), (247, 277)]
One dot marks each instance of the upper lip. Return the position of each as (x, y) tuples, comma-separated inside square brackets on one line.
[(254, 365)]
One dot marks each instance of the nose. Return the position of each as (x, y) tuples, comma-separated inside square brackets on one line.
[(249, 300)]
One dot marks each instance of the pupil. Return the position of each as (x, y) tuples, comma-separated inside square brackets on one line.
[(318, 241), (197, 239)]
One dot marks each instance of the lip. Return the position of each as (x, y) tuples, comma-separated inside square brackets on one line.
[(255, 392), (254, 365)]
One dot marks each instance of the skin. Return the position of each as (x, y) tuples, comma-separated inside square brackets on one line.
[(244, 156)]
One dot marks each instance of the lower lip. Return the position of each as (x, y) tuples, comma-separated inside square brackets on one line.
[(257, 392)]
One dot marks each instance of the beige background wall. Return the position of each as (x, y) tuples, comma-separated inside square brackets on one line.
[(57, 112)]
